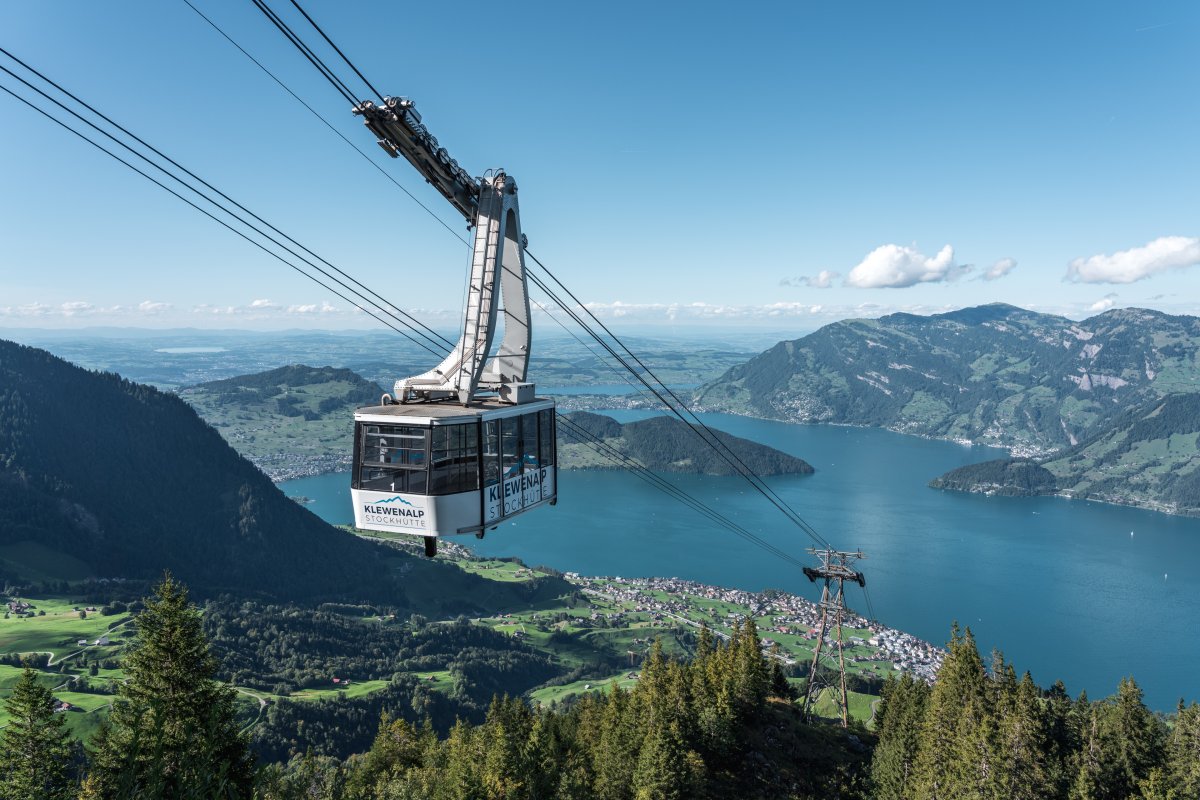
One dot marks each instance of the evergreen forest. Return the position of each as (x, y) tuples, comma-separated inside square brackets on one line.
[(724, 722)]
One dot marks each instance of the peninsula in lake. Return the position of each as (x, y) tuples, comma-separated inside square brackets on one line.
[(665, 444)]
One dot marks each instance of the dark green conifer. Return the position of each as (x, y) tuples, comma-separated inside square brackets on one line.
[(35, 751), (898, 721), (172, 730), (1135, 739), (663, 768), (1183, 752), (953, 731), (1023, 746)]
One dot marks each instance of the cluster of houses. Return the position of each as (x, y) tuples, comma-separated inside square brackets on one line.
[(908, 653), (18, 606), (789, 614)]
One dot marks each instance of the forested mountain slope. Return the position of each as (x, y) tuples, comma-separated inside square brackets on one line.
[(1147, 457), (995, 374), (665, 444), (130, 481)]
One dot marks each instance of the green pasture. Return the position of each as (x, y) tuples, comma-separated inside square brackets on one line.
[(860, 705), (353, 690), (59, 631), (558, 694)]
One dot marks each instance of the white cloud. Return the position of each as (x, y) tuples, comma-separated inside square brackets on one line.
[(151, 307), (895, 266), (1103, 304), (1127, 266), (999, 269), (75, 308), (263, 304), (822, 280), (27, 310), (312, 308)]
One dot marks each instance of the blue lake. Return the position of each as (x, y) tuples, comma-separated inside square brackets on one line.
[(1080, 591)]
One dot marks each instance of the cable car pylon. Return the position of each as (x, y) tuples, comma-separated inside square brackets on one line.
[(835, 570)]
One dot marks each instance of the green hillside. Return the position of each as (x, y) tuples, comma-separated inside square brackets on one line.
[(290, 421), (101, 477), (665, 444), (1147, 457), (995, 374)]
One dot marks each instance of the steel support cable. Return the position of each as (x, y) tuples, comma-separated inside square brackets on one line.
[(209, 214), (327, 123), (411, 322), (338, 50), (634, 466), (870, 605), (697, 425), (304, 49), (748, 474), (580, 322), (429, 334), (711, 439), (646, 474), (675, 493), (600, 359)]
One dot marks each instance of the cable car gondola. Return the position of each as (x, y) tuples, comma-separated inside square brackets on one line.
[(433, 469), (468, 444)]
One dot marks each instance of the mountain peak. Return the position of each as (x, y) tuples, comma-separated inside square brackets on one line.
[(977, 315)]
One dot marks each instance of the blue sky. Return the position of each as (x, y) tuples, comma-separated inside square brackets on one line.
[(726, 164)]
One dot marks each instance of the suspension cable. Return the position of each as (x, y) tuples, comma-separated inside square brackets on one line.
[(205, 212), (328, 124), (697, 426), (674, 403), (429, 333), (305, 51), (338, 50), (645, 473)]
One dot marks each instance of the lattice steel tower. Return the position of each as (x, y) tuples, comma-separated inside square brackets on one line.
[(835, 569)]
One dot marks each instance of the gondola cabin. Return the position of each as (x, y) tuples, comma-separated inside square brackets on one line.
[(436, 469)]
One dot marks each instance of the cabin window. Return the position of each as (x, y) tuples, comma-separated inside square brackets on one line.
[(510, 446), (546, 438), (529, 442), (394, 458), (454, 460), (491, 452)]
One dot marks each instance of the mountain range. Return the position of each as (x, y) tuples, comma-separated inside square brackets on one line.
[(1102, 408), (995, 374), (1147, 457)]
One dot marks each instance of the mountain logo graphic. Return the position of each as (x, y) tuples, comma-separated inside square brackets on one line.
[(396, 499)]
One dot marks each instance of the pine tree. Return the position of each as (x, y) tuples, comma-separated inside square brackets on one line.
[(172, 730), (1089, 760), (948, 763), (663, 768), (35, 752), (616, 749), (1135, 740), (1023, 745), (898, 720), (1183, 753), (1062, 736)]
